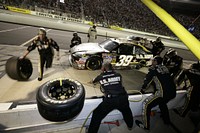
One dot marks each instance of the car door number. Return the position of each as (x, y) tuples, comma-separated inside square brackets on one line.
[(124, 60)]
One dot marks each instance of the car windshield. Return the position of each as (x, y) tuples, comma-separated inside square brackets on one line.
[(109, 45)]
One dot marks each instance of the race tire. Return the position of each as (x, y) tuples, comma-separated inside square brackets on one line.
[(19, 69), (60, 99), (94, 63)]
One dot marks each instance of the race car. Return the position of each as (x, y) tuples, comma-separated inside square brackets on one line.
[(120, 52)]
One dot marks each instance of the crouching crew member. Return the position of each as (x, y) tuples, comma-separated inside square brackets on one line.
[(76, 40), (45, 48), (164, 91), (115, 98), (191, 79)]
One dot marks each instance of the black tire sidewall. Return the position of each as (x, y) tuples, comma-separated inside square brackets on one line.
[(96, 59), (14, 68), (60, 110)]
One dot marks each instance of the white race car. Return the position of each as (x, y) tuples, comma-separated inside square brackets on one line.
[(121, 53)]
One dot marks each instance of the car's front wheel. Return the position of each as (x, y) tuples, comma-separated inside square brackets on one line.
[(94, 63)]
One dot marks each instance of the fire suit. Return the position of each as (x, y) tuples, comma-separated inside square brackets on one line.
[(157, 48), (174, 64), (76, 40), (115, 98), (92, 34), (164, 91), (45, 49), (191, 79)]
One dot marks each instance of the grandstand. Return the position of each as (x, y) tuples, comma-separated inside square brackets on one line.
[(130, 14)]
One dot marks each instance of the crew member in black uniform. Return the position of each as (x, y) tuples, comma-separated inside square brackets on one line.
[(164, 91), (115, 97), (158, 46), (173, 62), (45, 48), (191, 79), (76, 40)]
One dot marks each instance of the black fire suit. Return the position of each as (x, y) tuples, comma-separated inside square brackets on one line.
[(191, 80), (164, 91), (174, 64), (157, 48), (76, 40), (115, 98), (45, 49)]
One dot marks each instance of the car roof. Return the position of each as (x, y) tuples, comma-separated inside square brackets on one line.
[(125, 40)]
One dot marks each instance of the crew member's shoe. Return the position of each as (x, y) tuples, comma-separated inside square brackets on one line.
[(39, 78), (130, 128), (176, 111), (140, 124)]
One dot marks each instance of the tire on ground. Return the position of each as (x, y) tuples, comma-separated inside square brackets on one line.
[(94, 63), (19, 69), (60, 99)]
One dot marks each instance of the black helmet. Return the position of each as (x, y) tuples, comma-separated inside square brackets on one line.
[(75, 34), (196, 66), (158, 39), (94, 26), (158, 59)]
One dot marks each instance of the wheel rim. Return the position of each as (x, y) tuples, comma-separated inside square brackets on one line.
[(93, 64), (66, 91)]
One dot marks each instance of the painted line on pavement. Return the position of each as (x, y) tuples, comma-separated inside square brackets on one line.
[(23, 27)]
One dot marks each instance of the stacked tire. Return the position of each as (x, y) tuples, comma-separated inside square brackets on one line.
[(60, 99), (19, 69)]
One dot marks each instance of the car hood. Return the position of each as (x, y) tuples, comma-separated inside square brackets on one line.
[(88, 48)]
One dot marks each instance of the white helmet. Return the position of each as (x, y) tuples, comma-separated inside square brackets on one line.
[(42, 31), (171, 52)]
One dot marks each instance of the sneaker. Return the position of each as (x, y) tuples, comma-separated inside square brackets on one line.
[(39, 78), (140, 124), (130, 128)]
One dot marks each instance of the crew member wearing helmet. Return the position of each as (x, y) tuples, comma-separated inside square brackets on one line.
[(158, 46), (45, 48), (164, 91), (191, 79), (115, 98), (92, 34), (76, 40), (173, 62)]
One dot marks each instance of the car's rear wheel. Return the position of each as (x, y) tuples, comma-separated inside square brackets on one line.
[(19, 69), (60, 99), (143, 63), (94, 63)]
